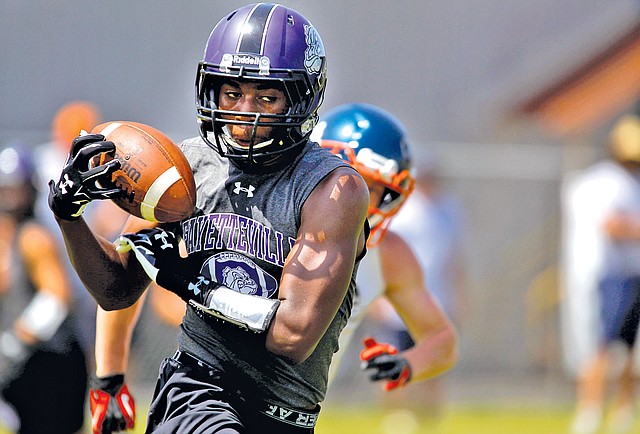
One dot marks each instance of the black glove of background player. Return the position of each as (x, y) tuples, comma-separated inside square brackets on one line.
[(79, 183), (389, 365), (158, 252)]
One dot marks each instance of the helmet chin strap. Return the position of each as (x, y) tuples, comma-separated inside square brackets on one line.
[(239, 155)]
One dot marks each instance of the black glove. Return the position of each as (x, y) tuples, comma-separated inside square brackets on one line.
[(79, 184), (389, 365), (112, 406), (158, 252)]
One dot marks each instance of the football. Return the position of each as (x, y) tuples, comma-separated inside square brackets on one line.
[(155, 177)]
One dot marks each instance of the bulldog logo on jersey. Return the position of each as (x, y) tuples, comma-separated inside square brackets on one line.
[(239, 280), (241, 274)]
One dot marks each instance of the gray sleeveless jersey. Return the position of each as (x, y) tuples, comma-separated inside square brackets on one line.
[(243, 229)]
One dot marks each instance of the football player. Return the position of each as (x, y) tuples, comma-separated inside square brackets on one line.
[(602, 277), (40, 349), (374, 142), (272, 248)]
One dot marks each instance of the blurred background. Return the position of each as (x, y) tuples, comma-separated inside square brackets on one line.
[(509, 94)]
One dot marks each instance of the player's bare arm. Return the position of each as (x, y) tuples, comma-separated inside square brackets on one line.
[(38, 248), (114, 330), (110, 401), (435, 337), (7, 228), (114, 279), (39, 252), (318, 269)]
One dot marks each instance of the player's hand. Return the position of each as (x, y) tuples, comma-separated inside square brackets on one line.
[(79, 183), (112, 406), (388, 364), (158, 252)]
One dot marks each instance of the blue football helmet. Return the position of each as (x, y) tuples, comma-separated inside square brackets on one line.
[(271, 44), (374, 142)]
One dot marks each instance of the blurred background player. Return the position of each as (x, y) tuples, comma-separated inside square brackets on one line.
[(105, 218), (374, 142), (602, 279), (431, 221), (43, 374)]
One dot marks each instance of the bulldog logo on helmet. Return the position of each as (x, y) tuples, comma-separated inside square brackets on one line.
[(315, 50)]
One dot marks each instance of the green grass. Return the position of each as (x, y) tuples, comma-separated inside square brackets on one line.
[(453, 421), (456, 420)]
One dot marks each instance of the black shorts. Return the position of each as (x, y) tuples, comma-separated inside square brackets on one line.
[(190, 397), (49, 392)]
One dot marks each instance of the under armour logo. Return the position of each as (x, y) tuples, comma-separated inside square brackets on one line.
[(240, 188), (64, 184), (166, 244), (195, 287)]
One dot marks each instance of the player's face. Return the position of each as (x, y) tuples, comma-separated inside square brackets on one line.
[(248, 96)]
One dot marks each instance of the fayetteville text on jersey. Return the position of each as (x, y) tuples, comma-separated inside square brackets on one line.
[(235, 232)]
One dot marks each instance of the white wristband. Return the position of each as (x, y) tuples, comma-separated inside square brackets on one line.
[(247, 311), (43, 315), (11, 346)]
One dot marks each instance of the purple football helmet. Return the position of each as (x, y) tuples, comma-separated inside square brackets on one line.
[(18, 182), (271, 44)]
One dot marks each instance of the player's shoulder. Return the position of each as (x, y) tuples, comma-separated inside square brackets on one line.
[(315, 158), (586, 183), (192, 144), (335, 173), (398, 260), (394, 245), (602, 170), (396, 251), (199, 154), (345, 184)]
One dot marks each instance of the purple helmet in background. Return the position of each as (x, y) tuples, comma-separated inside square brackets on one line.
[(269, 43), (18, 182)]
